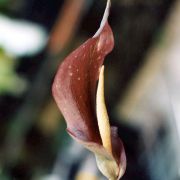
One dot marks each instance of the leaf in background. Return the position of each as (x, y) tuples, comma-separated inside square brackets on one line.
[(10, 81)]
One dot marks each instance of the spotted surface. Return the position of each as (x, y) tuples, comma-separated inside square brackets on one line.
[(74, 87)]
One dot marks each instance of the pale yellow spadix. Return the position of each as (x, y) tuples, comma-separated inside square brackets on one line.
[(102, 115)]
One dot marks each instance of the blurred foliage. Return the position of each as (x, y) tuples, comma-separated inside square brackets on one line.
[(10, 82), (3, 2), (4, 5)]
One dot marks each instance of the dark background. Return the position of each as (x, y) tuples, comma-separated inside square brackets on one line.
[(28, 149)]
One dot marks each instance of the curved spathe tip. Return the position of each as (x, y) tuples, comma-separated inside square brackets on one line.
[(104, 19)]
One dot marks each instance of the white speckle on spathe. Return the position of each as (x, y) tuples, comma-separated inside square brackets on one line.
[(75, 56), (79, 78), (84, 46), (84, 55), (77, 70), (57, 85), (69, 66), (99, 58), (70, 74)]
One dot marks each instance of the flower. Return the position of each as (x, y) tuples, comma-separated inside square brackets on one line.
[(82, 102)]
